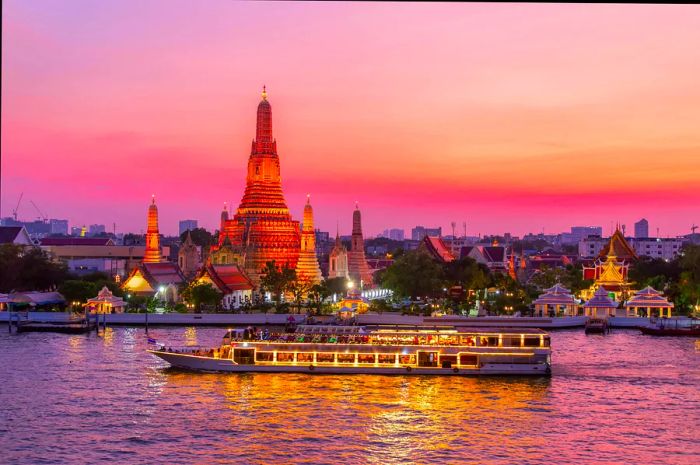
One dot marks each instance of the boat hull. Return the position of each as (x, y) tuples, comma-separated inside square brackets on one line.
[(208, 364), (669, 332)]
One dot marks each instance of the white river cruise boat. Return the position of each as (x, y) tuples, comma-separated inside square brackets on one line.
[(353, 350)]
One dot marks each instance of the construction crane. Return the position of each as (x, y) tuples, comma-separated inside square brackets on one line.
[(14, 212), (41, 214)]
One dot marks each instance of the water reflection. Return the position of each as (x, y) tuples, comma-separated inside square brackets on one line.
[(129, 407)]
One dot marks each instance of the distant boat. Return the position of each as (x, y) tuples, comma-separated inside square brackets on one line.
[(597, 326), (673, 327)]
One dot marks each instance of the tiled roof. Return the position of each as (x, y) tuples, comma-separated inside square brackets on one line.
[(437, 247), (601, 300), (162, 273), (648, 297), (9, 233)]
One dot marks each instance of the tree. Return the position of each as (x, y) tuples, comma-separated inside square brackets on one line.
[(77, 290), (688, 292), (200, 237), (414, 274), (277, 281), (28, 269), (466, 272), (200, 294)]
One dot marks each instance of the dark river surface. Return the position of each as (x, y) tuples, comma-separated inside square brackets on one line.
[(620, 398)]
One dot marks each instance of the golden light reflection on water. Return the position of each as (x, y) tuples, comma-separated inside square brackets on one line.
[(400, 419), (191, 336)]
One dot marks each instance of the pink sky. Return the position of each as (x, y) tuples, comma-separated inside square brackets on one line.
[(512, 117)]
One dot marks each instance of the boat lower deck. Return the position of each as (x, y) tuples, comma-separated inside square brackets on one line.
[(212, 364)]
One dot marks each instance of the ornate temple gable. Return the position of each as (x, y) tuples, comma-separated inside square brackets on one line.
[(611, 272), (137, 283), (618, 246)]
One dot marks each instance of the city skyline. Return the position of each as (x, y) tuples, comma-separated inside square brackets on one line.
[(583, 116)]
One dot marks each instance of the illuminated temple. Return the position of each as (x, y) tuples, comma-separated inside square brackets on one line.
[(610, 270), (358, 269), (308, 270), (154, 276), (262, 228)]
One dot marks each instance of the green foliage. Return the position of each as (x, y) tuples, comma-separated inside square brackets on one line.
[(200, 237), (466, 272), (276, 280), (28, 269), (77, 290), (199, 294), (415, 274), (379, 306), (336, 285)]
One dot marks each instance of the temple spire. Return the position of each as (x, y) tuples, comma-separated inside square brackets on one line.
[(152, 253), (263, 129)]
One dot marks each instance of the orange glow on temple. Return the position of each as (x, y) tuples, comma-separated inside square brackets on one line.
[(262, 229)]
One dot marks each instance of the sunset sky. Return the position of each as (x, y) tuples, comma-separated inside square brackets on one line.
[(511, 117)]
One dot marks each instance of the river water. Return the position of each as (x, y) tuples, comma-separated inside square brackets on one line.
[(620, 398)]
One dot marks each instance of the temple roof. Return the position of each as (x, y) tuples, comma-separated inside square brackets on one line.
[(228, 278), (648, 297), (436, 247), (162, 273), (601, 300), (617, 246), (556, 295)]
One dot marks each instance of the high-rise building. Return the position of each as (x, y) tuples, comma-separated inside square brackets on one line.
[(419, 232), (394, 234), (187, 225), (95, 229), (578, 233), (153, 252), (307, 269), (641, 228), (357, 263), (262, 229), (59, 226)]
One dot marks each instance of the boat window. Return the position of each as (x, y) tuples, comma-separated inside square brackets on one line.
[(285, 356), (468, 341), (387, 358), (365, 358), (346, 358), (446, 361), (243, 356), (427, 359), (305, 357), (322, 357), (264, 356), (407, 359), (512, 341), (467, 359), (546, 341), (532, 341)]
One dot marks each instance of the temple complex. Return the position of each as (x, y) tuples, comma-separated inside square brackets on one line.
[(154, 276), (262, 228), (357, 263), (610, 270), (152, 253), (308, 270), (338, 260)]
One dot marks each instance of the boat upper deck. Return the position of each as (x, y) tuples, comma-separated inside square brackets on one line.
[(354, 335)]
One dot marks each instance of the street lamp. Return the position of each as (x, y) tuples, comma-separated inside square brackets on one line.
[(351, 284)]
